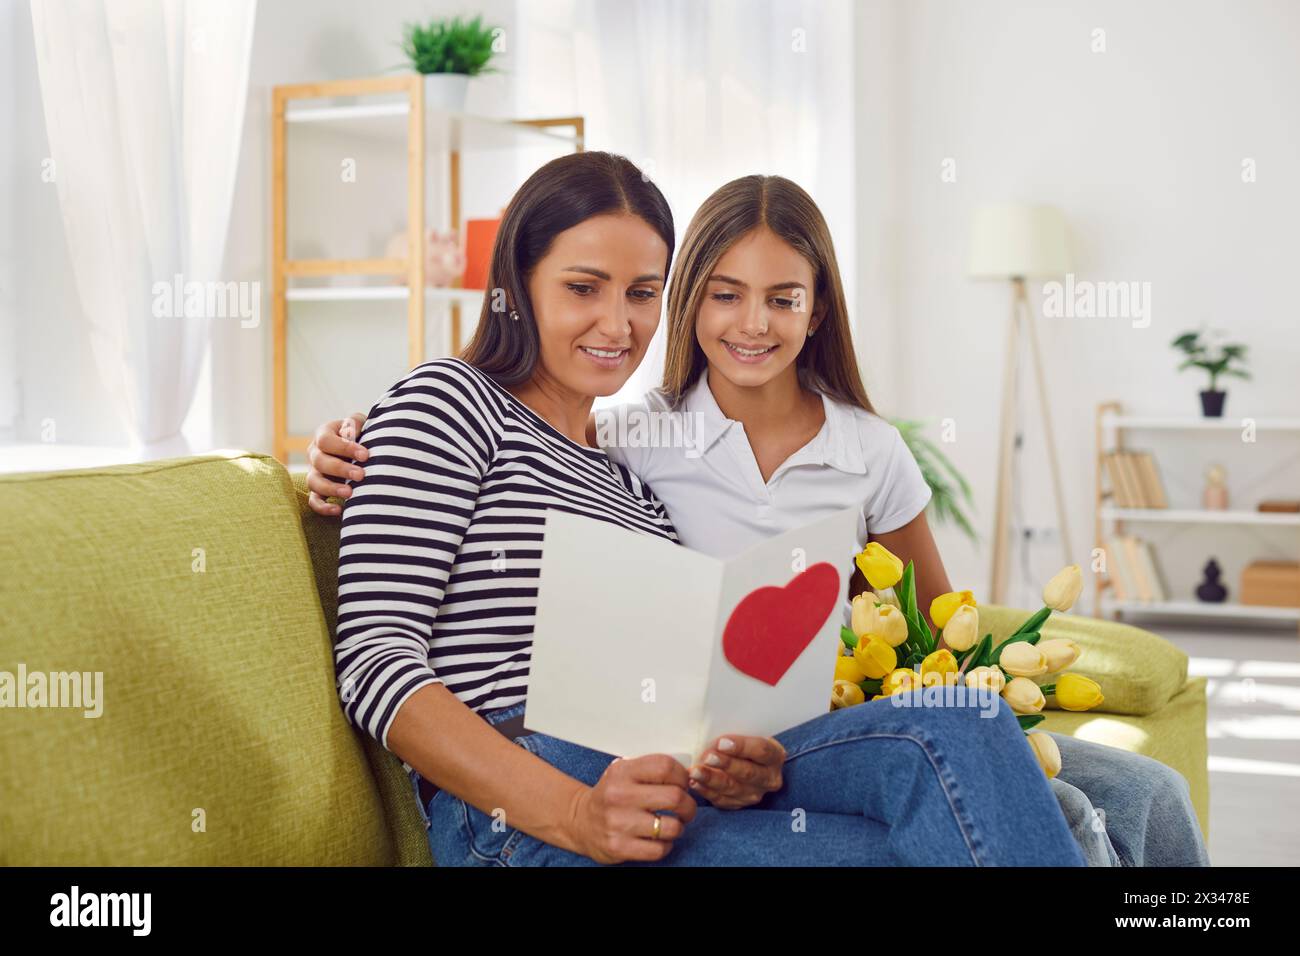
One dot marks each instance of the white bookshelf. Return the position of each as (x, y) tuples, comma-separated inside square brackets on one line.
[(1204, 609), (372, 293), (390, 112), (1112, 426), (1200, 516), (1189, 423)]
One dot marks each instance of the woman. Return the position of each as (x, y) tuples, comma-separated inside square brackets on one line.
[(439, 553)]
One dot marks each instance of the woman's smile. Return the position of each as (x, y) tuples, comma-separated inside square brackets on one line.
[(606, 358)]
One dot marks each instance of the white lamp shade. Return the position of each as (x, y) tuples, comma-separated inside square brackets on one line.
[(1011, 240)]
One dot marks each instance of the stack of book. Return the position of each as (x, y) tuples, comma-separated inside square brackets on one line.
[(1134, 480), (1133, 572)]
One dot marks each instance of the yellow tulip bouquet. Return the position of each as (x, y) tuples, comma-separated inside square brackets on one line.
[(889, 649)]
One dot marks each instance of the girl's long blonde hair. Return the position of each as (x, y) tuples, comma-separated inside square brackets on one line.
[(826, 363)]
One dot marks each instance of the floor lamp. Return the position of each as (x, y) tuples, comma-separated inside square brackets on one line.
[(1015, 241)]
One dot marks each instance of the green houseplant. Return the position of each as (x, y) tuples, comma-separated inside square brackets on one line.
[(948, 488), (448, 53), (1216, 358)]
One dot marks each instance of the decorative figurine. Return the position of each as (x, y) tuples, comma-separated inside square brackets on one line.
[(1216, 489), (1210, 590)]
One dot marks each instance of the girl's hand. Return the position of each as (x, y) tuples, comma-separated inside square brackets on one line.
[(614, 820), (738, 771), (329, 452)]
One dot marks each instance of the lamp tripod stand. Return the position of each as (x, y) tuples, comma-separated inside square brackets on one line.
[(1006, 449)]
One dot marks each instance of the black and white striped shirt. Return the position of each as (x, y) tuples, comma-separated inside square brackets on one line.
[(441, 543)]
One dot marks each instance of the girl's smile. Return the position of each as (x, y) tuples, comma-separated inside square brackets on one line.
[(749, 355)]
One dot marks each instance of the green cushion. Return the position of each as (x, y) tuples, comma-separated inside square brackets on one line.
[(400, 808), (218, 686), (1174, 735), (1138, 672)]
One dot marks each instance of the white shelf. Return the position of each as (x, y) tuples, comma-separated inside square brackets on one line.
[(1189, 423), (1203, 609), (326, 114), (386, 121), (372, 293), (1202, 516)]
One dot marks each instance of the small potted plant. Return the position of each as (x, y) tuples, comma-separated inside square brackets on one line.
[(448, 53), (1217, 358)]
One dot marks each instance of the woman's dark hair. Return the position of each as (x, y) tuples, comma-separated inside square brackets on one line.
[(559, 196)]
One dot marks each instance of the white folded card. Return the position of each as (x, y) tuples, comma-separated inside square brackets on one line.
[(644, 646)]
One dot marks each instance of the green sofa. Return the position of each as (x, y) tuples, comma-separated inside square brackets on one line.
[(203, 591)]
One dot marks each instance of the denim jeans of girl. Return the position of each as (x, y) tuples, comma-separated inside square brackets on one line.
[(1126, 809), (871, 785)]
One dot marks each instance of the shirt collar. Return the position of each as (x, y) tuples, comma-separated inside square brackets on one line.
[(838, 444)]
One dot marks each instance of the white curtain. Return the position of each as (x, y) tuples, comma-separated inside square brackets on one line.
[(144, 107), (700, 93)]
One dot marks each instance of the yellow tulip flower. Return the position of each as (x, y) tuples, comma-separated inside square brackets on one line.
[(845, 694), (1047, 752), (1060, 652), (882, 569), (1023, 696), (1023, 659), (945, 605), (875, 657), (847, 668), (962, 631), (1062, 591), (990, 677), (863, 614), (1076, 692), (937, 667), (900, 680), (888, 596), (890, 625)]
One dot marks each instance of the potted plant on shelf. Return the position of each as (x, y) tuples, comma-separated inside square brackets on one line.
[(1217, 358), (448, 53)]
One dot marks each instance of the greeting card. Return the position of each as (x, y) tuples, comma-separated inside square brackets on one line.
[(644, 646)]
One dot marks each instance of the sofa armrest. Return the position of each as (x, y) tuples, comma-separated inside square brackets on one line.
[(1139, 672)]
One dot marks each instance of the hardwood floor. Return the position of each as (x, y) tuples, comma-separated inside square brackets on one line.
[(1253, 723)]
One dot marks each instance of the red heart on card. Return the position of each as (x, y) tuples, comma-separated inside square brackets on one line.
[(771, 626)]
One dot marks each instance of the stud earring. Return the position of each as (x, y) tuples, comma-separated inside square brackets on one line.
[(514, 316)]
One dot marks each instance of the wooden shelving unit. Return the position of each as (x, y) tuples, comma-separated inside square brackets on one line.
[(401, 117), (1111, 426)]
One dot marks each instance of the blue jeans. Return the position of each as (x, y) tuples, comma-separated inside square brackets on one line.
[(1126, 809), (871, 785)]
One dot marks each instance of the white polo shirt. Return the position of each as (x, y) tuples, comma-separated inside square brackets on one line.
[(700, 465)]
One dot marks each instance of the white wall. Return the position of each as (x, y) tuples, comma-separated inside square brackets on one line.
[(1142, 147), (8, 224)]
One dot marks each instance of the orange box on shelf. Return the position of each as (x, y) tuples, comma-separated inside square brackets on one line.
[(1271, 583), (480, 234)]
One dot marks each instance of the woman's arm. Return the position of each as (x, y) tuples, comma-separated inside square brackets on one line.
[(431, 440), (402, 529), (459, 751)]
